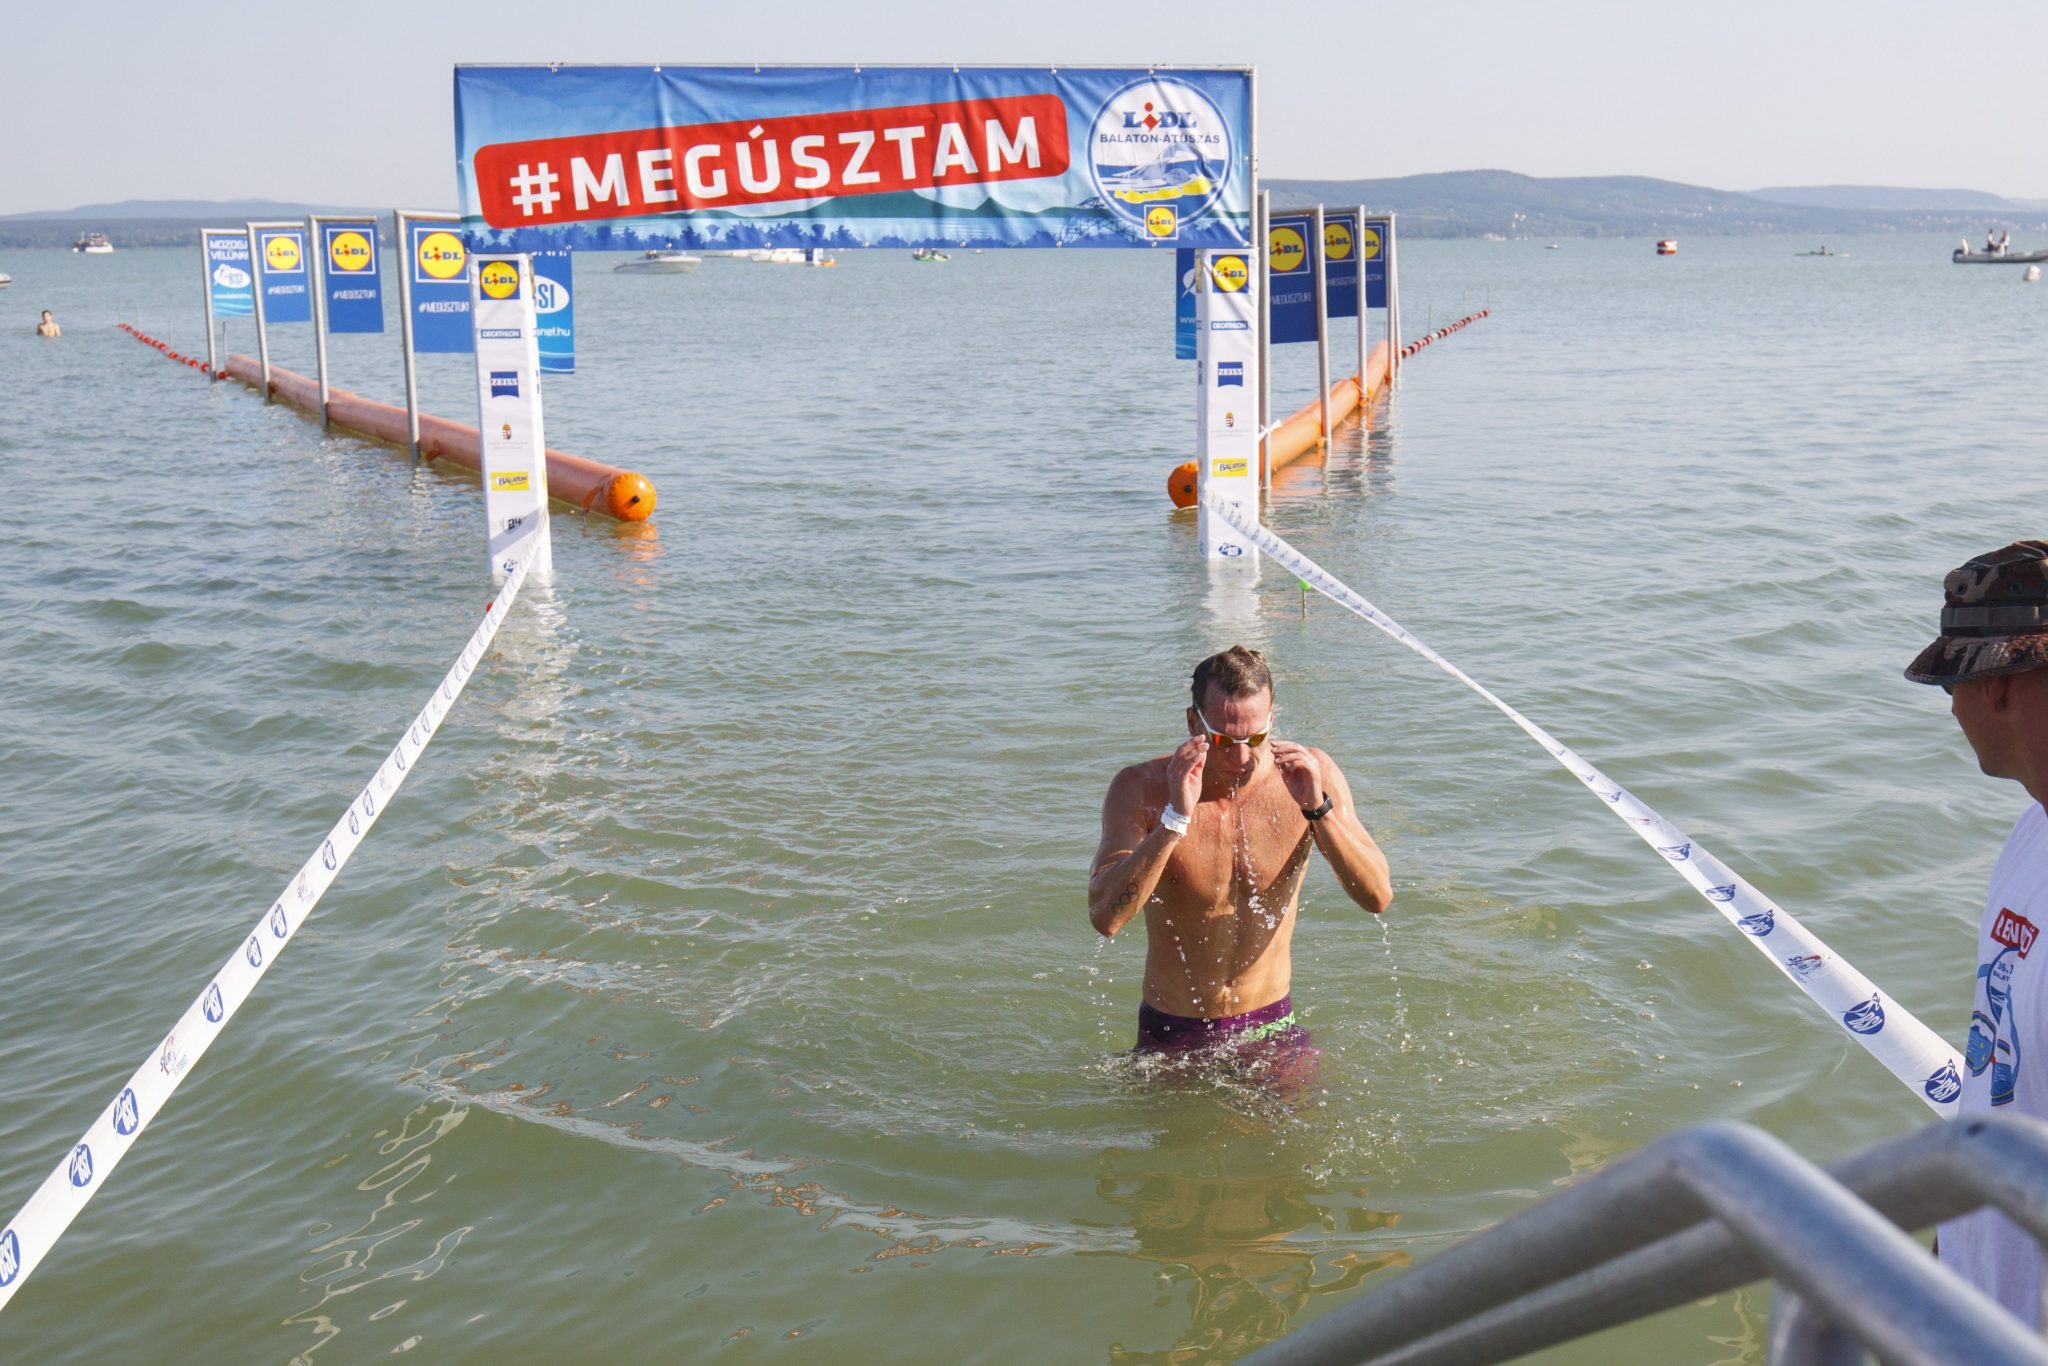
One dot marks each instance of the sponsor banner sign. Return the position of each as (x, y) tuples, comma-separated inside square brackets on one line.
[(1184, 303), (281, 273), (1291, 275), (617, 157), (1227, 418), (512, 435), (227, 274), (1912, 1052), (1340, 264), (1375, 242), (351, 277), (555, 307), (439, 261)]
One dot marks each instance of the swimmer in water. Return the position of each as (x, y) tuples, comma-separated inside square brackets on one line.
[(48, 326), (1210, 842)]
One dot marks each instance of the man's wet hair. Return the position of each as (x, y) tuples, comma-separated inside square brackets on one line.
[(1236, 672)]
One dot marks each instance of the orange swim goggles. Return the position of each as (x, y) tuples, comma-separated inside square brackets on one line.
[(1218, 740)]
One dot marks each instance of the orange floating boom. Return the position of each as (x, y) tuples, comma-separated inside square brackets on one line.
[(572, 479), (1300, 434)]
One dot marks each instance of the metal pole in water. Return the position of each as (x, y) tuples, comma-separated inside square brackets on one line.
[(206, 285), (318, 250), (1262, 250), (262, 335), (408, 253), (1322, 330)]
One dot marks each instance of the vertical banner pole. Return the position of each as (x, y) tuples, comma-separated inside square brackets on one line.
[(1227, 436), (318, 251), (512, 438), (1322, 327), (402, 221), (1262, 252), (262, 333), (1363, 350), (1393, 305), (206, 284)]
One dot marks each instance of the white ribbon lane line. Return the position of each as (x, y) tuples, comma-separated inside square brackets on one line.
[(78, 1177), (1915, 1054)]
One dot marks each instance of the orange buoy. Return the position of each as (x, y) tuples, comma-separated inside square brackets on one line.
[(629, 497), (1180, 485)]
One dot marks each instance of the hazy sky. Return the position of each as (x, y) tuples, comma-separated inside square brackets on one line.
[(351, 102)]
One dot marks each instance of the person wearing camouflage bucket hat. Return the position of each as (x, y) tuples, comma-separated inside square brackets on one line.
[(1992, 659)]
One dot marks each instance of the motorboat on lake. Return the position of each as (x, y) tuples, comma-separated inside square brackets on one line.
[(5, 279), (94, 244), (660, 263), (1668, 247), (1963, 256), (929, 254)]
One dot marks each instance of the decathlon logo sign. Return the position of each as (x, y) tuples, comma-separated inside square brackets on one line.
[(504, 384), (1157, 141)]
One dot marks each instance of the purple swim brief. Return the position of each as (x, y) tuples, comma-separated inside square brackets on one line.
[(1272, 1028)]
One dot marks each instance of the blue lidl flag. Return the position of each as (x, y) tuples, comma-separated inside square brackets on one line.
[(627, 157), (1340, 264), (354, 284), (1372, 249), (227, 274), (281, 274), (1184, 303), (555, 308), (439, 262), (1291, 276)]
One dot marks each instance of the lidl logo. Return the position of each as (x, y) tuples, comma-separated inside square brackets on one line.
[(1162, 221), (281, 252), (499, 280), (510, 481), (1337, 241), (351, 253), (1285, 250), (442, 256), (1372, 244), (1230, 273)]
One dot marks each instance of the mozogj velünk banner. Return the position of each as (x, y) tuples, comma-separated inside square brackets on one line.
[(621, 158), (228, 280)]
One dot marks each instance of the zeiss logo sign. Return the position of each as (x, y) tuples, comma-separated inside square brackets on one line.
[(81, 1166), (1867, 1018), (1944, 1086), (504, 384), (127, 1116), (1230, 372)]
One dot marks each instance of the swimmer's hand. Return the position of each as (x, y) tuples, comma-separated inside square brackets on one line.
[(1184, 774), (1300, 771)]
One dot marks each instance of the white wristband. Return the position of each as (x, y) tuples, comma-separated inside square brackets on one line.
[(1173, 820)]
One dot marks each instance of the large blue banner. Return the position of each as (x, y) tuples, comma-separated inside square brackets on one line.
[(1184, 304), (439, 262), (555, 308), (623, 158), (1291, 276), (227, 274), (1340, 264), (353, 283), (281, 275), (1373, 250)]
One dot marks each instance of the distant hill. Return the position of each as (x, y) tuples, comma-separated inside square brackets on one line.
[(1884, 198), (155, 222), (1474, 203)]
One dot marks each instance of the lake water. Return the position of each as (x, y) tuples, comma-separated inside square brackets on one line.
[(721, 986)]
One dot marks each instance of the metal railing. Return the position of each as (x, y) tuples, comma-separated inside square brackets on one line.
[(1704, 1211)]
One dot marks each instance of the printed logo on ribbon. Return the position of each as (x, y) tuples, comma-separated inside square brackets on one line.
[(278, 923), (305, 888), (10, 1257), (210, 1004), (2014, 931), (1805, 965), (127, 1113), (369, 805), (1677, 853), (170, 1061), (1723, 893), (354, 826), (1158, 141), (1867, 1018), (1943, 1085), (504, 384), (327, 859), (1759, 923), (81, 1166), (253, 951)]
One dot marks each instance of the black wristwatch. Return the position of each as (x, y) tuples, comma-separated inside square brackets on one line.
[(1321, 811)]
